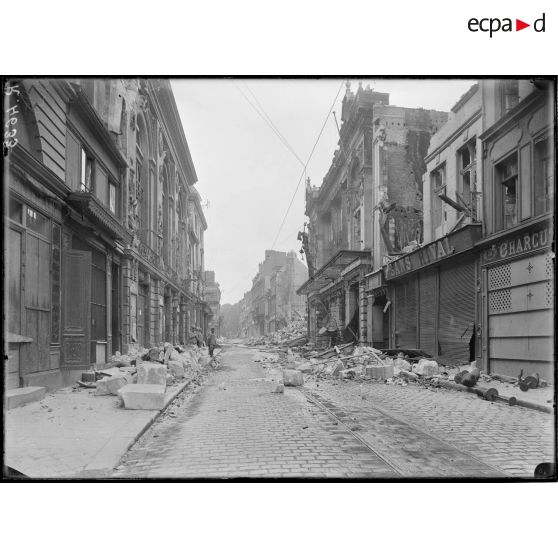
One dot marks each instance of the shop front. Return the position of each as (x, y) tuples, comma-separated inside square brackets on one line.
[(518, 294), (433, 298), (337, 299)]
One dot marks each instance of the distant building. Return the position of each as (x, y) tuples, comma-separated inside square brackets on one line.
[(213, 299), (273, 302)]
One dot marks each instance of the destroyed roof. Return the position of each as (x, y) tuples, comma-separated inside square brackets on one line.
[(331, 270)]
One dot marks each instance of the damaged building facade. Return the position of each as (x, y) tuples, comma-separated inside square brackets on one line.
[(104, 226), (481, 284), (273, 302), (369, 204)]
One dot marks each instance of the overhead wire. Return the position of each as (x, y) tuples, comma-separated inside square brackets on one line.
[(264, 116), (273, 126), (306, 165)]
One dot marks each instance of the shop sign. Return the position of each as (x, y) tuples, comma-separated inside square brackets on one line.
[(434, 252), (520, 243)]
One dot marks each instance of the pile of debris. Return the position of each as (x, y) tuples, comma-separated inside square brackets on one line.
[(140, 377), (293, 334)]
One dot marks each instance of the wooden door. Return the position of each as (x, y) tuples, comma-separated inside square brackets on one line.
[(76, 308), (35, 356)]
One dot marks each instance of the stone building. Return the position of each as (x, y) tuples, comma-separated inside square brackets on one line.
[(284, 305), (517, 262), (213, 300), (272, 302), (104, 227), (372, 191), (481, 285)]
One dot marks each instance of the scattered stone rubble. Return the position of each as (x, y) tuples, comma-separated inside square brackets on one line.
[(140, 377), (293, 334), (358, 363)]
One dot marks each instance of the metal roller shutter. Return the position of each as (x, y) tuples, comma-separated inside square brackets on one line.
[(427, 311), (406, 315), (456, 313)]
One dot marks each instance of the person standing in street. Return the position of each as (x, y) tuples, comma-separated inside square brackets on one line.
[(212, 342)]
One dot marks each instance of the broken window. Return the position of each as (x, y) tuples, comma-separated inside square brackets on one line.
[(506, 203), (544, 177), (437, 187), (467, 175), (86, 180)]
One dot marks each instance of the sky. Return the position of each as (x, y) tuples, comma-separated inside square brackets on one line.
[(247, 176)]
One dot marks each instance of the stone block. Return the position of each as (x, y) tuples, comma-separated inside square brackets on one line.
[(152, 373), (306, 367), (176, 368), (426, 367), (279, 388), (143, 396), (379, 372), (292, 378), (22, 396), (402, 364), (110, 385)]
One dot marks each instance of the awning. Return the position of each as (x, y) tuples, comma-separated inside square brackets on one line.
[(332, 270)]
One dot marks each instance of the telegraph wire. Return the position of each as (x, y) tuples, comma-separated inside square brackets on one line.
[(269, 123), (306, 165), (273, 126)]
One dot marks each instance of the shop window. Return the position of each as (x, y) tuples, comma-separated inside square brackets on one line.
[(86, 176), (510, 94), (37, 222), (544, 177), (466, 160), (437, 186), (507, 190)]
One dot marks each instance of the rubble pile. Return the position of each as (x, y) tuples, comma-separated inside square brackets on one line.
[(140, 377), (293, 333)]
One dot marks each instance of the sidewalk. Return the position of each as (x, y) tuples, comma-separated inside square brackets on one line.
[(74, 433)]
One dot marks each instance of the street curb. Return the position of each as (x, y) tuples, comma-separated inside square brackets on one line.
[(96, 472), (519, 402)]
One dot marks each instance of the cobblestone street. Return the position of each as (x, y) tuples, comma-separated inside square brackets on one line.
[(236, 427)]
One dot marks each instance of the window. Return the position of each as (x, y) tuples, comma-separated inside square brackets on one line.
[(510, 94), (15, 211), (506, 199), (438, 186), (544, 177), (86, 180), (467, 174), (112, 198), (38, 222)]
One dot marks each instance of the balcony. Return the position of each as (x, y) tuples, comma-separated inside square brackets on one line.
[(89, 206)]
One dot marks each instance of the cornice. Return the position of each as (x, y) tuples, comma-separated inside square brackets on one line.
[(31, 166)]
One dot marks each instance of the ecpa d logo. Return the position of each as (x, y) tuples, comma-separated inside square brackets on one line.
[(495, 24)]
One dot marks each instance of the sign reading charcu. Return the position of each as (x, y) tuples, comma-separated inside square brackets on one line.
[(524, 242)]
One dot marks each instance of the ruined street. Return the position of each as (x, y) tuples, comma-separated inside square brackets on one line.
[(236, 426)]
